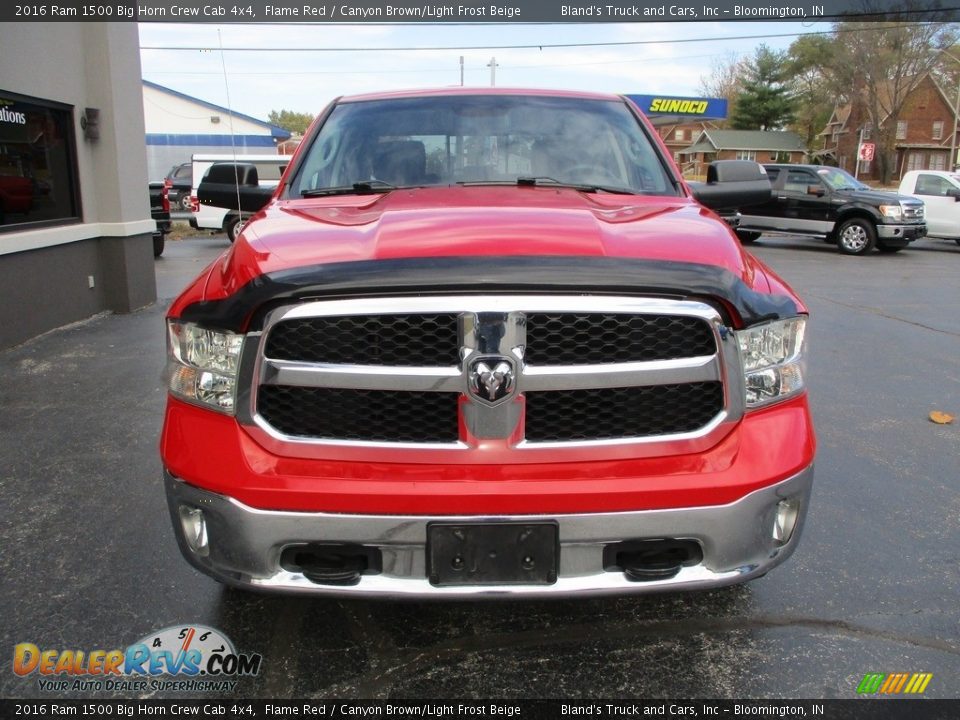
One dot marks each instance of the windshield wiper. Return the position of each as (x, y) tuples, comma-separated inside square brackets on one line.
[(363, 187), (582, 187)]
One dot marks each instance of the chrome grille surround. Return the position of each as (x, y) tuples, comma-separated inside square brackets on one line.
[(492, 327), (913, 211)]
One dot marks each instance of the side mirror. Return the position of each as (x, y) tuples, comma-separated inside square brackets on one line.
[(954, 193), (816, 190), (732, 184)]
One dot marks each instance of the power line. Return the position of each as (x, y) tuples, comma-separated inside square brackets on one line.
[(533, 46), (433, 69)]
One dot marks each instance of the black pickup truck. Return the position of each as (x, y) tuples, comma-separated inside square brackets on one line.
[(235, 187), (160, 212), (827, 202)]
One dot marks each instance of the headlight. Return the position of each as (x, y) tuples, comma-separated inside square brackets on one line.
[(892, 212), (202, 365), (772, 357)]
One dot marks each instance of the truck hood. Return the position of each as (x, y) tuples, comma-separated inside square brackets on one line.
[(877, 197), (489, 237), (488, 221)]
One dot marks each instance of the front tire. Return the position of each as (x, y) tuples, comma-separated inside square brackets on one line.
[(158, 242), (747, 237), (856, 236)]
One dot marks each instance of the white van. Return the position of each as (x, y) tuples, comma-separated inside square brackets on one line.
[(207, 217), (940, 192)]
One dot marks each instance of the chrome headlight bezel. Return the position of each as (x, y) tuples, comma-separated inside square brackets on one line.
[(772, 356), (892, 212), (202, 365)]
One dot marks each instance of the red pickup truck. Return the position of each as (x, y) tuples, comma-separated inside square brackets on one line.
[(488, 343)]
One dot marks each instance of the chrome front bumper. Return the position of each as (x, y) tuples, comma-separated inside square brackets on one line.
[(902, 232), (245, 545)]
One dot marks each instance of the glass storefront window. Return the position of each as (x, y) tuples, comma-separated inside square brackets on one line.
[(38, 168)]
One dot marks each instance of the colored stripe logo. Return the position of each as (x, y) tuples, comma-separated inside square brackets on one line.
[(894, 683)]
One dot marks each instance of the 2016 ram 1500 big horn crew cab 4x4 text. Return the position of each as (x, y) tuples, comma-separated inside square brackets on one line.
[(488, 343)]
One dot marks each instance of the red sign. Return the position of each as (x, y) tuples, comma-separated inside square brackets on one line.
[(866, 151)]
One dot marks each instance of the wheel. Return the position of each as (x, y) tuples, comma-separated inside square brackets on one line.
[(747, 237), (233, 226), (183, 201), (159, 241), (856, 236)]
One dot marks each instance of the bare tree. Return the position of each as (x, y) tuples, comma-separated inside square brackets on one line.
[(879, 66), (809, 60), (725, 80)]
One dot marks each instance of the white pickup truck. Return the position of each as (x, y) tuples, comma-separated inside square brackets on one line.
[(940, 192)]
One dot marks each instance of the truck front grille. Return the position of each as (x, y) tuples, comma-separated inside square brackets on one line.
[(913, 212), (594, 338), (367, 340), (520, 371), (617, 413), (369, 415)]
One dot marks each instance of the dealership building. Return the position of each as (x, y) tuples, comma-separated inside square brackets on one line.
[(179, 125), (75, 227)]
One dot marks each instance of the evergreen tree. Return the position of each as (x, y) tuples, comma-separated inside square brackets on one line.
[(765, 101)]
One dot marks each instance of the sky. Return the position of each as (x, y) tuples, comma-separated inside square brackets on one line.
[(362, 58)]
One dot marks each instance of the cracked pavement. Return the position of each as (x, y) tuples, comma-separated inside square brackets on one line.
[(89, 560)]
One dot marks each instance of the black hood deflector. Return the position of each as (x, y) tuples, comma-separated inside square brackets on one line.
[(245, 309)]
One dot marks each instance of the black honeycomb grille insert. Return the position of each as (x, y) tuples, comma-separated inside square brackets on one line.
[(372, 415), (426, 340), (616, 413), (597, 338)]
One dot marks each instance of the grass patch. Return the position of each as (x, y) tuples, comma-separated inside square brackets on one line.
[(180, 230)]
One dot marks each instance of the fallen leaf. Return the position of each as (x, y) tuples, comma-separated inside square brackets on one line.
[(941, 418)]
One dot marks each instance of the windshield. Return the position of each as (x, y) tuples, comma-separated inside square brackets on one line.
[(839, 179), (482, 139)]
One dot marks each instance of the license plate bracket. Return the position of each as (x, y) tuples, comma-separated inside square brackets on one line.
[(496, 553)]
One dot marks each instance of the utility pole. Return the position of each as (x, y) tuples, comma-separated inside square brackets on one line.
[(856, 171), (461, 71), (493, 71)]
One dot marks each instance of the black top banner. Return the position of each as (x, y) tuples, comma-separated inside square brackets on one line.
[(473, 11), (862, 709), (441, 709)]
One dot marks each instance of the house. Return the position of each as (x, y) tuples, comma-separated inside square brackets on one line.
[(179, 125), (678, 134), (762, 146), (923, 131)]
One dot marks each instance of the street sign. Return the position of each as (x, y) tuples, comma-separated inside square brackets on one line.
[(866, 151)]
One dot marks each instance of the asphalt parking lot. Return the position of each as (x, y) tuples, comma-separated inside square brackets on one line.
[(89, 559)]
